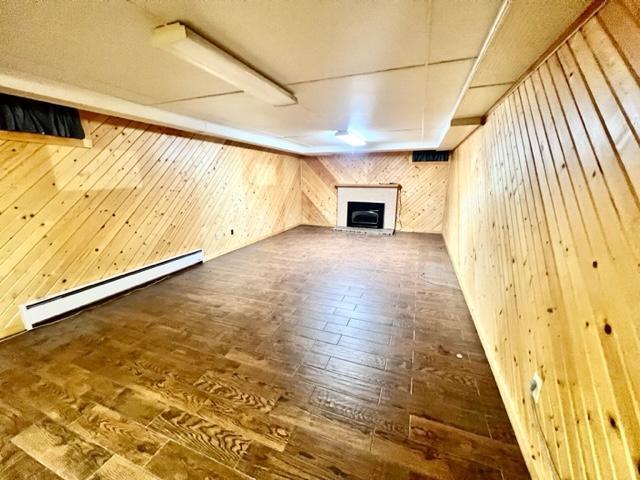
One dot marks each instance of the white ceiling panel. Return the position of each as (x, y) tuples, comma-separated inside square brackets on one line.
[(382, 138), (302, 40), (375, 140), (319, 139), (383, 101), (455, 135), (444, 85), (367, 103), (478, 100), (529, 28), (459, 28), (102, 46), (243, 110)]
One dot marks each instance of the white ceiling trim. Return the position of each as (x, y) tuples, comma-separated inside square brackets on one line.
[(494, 28), (38, 88), (504, 7)]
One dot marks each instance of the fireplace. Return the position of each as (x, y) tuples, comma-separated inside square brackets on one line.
[(365, 215), (367, 209)]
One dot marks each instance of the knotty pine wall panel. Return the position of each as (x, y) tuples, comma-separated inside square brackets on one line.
[(422, 196), (543, 226), (69, 216)]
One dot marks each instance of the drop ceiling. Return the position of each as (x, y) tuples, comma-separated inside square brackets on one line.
[(395, 71)]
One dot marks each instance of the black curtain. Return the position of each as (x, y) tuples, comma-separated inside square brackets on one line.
[(19, 114)]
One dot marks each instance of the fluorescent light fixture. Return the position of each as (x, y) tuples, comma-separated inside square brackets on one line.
[(350, 138), (183, 42)]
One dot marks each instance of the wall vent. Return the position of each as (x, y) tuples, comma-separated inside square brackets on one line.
[(45, 309), (430, 156)]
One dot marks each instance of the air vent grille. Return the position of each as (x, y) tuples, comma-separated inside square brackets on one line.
[(430, 156)]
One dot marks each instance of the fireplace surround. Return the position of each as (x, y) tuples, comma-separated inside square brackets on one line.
[(367, 208)]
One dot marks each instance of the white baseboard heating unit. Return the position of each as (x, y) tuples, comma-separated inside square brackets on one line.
[(39, 311)]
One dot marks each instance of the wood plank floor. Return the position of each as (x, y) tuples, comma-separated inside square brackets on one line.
[(311, 355)]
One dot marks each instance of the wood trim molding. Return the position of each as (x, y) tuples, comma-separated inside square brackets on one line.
[(47, 139), (369, 185), (29, 137), (576, 25), (466, 121)]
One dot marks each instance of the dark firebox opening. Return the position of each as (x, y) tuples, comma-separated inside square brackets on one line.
[(365, 214)]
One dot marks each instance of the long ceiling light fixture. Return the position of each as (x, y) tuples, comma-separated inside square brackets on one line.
[(350, 138), (183, 42)]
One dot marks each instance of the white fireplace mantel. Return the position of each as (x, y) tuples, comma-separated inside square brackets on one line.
[(378, 193)]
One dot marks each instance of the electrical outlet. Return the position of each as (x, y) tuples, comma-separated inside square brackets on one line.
[(536, 387)]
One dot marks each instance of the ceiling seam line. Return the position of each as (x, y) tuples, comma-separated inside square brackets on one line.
[(302, 82), (442, 62)]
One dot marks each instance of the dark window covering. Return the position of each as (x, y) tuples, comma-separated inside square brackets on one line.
[(19, 114)]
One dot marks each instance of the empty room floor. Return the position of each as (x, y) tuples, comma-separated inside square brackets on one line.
[(313, 354)]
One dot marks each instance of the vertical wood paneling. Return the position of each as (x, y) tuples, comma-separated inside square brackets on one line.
[(69, 216), (543, 226), (422, 196)]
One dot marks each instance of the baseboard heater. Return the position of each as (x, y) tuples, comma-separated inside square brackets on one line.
[(54, 306)]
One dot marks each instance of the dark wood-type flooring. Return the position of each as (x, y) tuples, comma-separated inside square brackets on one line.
[(311, 355)]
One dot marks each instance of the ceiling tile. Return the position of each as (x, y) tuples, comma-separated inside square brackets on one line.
[(383, 101), (459, 28), (444, 85), (478, 100), (102, 46), (302, 40), (528, 29), (244, 111), (374, 139), (455, 136), (366, 103)]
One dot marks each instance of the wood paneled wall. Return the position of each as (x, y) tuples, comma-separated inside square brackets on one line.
[(421, 199), (543, 226), (69, 216)]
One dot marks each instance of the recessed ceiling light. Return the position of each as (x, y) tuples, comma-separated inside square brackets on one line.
[(183, 42), (350, 138)]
